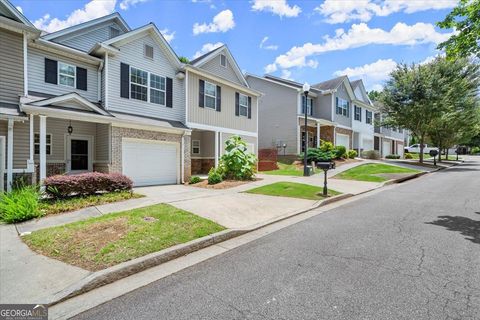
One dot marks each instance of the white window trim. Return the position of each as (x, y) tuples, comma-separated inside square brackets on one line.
[(160, 90), (222, 55), (343, 107), (205, 96), (46, 144), (193, 147), (366, 117), (148, 86), (309, 106), (240, 105), (67, 75)]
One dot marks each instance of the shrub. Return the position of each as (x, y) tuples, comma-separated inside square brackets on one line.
[(371, 154), (351, 154), (326, 146), (61, 186), (408, 156), (214, 176), (195, 179), (20, 205), (475, 150), (237, 163), (316, 155), (340, 152), (392, 156)]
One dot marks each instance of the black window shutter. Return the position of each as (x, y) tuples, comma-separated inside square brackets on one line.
[(51, 71), (201, 93), (81, 78), (311, 108), (237, 104), (219, 98), (124, 80), (336, 105), (169, 93), (249, 107), (303, 104)]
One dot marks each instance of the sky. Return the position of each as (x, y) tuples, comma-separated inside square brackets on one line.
[(310, 41)]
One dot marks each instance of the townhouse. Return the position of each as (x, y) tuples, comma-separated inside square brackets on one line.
[(388, 140), (100, 96)]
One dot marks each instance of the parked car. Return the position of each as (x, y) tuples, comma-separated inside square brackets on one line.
[(415, 148)]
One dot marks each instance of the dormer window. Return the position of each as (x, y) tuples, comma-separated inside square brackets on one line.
[(114, 32), (223, 60), (148, 51)]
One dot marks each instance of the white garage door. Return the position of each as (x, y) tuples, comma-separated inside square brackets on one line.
[(342, 140), (400, 150), (386, 148), (367, 144), (149, 162)]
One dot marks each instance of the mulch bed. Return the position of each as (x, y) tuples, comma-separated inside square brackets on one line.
[(226, 184)]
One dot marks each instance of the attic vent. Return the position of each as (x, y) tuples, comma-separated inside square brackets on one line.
[(148, 51), (114, 32), (223, 60)]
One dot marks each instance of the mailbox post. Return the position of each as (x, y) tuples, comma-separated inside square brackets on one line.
[(434, 153), (325, 166)]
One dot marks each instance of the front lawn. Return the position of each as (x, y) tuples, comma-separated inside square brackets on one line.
[(101, 242), (286, 170), (374, 172), (50, 206), (416, 156), (293, 190)]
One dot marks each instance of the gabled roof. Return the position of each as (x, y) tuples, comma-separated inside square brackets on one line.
[(359, 84), (74, 98), (111, 17), (331, 84), (11, 12), (198, 62), (295, 84)]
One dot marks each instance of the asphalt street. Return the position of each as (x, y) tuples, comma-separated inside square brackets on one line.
[(411, 251)]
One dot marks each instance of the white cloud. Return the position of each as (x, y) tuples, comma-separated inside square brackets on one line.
[(125, 4), (278, 7), (167, 34), (363, 10), (271, 68), (361, 35), (372, 73), (286, 74), (92, 10), (19, 9), (222, 22), (265, 46), (207, 47), (209, 2)]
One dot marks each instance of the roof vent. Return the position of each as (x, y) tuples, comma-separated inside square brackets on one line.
[(223, 60), (148, 51), (114, 32)]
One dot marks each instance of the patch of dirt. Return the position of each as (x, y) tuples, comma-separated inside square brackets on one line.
[(149, 219), (226, 184)]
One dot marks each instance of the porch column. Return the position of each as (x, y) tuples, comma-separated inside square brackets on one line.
[(318, 134), (31, 138), (43, 148), (9, 155), (216, 148)]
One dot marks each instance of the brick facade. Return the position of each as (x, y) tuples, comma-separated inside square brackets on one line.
[(326, 133), (202, 166)]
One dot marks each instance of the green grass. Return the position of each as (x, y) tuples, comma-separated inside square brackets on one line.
[(100, 242), (293, 190), (286, 170), (416, 156), (74, 203), (370, 172)]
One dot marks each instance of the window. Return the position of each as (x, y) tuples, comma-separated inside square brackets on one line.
[(157, 89), (343, 107), (210, 95), (66, 74), (195, 146), (309, 105), (368, 116), (223, 60), (114, 32), (243, 104), (138, 84), (358, 113), (148, 51), (400, 130), (36, 143)]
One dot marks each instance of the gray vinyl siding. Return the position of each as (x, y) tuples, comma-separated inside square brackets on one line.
[(85, 39), (216, 68), (247, 139), (341, 119), (207, 143), (132, 53), (226, 118), (102, 142), (21, 142), (11, 66), (323, 108), (277, 115), (36, 76)]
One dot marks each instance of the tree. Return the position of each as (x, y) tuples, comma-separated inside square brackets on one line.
[(373, 95), (465, 19), (184, 60)]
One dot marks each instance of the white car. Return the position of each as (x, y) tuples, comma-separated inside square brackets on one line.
[(415, 148)]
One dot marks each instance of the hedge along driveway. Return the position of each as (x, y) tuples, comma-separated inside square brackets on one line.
[(101, 242)]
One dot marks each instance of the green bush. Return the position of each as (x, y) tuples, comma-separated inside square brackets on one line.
[(326, 146), (371, 154), (20, 205), (316, 155), (340, 152), (475, 150), (214, 176), (195, 179), (408, 156), (237, 163), (351, 154), (392, 156)]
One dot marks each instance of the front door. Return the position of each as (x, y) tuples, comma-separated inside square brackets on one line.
[(79, 154)]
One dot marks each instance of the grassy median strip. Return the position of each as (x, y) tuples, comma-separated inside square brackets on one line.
[(293, 190), (374, 172), (101, 242)]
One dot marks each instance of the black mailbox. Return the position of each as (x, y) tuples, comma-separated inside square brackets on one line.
[(433, 153), (326, 165)]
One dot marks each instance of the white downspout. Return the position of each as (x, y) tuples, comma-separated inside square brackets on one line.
[(318, 134), (216, 149), (43, 148), (10, 155), (106, 81), (182, 159), (99, 80), (25, 64)]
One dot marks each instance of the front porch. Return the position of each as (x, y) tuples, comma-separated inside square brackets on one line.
[(318, 129)]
